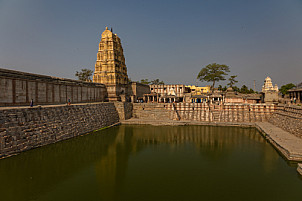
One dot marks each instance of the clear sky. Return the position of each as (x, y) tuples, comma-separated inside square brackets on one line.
[(166, 39)]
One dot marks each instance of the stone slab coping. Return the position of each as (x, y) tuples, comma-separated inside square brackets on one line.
[(299, 168), (183, 123), (288, 144), (47, 106)]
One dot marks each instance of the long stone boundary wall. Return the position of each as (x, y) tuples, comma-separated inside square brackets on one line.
[(26, 128), (229, 112), (289, 118), (19, 88)]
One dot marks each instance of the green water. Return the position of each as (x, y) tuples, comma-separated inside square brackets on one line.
[(181, 163)]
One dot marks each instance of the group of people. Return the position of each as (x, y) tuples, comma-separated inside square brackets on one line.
[(293, 100)]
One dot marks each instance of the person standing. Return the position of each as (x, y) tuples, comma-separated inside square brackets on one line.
[(32, 103)]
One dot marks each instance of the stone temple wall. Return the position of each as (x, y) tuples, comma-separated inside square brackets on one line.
[(151, 111), (19, 88), (23, 129), (124, 110), (230, 112), (289, 118)]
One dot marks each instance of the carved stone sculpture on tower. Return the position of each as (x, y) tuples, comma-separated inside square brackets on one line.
[(110, 67)]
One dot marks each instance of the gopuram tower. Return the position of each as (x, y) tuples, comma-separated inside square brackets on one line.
[(110, 67)]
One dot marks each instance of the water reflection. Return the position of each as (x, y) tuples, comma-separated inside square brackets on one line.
[(102, 166)]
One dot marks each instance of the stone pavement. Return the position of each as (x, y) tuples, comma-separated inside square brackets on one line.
[(170, 122), (288, 144)]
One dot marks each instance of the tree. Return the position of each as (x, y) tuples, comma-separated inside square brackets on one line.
[(220, 88), (144, 81), (213, 73), (251, 91), (286, 87), (235, 88), (156, 81), (244, 89), (84, 75), (232, 80)]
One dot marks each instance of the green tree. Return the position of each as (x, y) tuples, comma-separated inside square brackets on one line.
[(144, 81), (232, 80), (244, 89), (84, 75), (156, 81), (251, 91), (213, 73), (220, 88), (286, 87), (235, 88)]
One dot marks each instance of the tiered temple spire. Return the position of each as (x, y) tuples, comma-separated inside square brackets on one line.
[(268, 85), (110, 67)]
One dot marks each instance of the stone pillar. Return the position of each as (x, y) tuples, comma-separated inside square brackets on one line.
[(123, 98), (133, 99)]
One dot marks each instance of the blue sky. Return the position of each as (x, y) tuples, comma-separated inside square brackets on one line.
[(169, 40)]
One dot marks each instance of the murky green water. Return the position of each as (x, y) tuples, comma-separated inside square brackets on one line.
[(141, 163)]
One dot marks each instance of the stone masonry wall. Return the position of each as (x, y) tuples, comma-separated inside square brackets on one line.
[(19, 88), (22, 129), (151, 111), (289, 118), (124, 110), (229, 112)]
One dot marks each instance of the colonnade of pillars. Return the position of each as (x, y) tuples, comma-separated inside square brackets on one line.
[(296, 95), (157, 99), (168, 89), (202, 100)]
